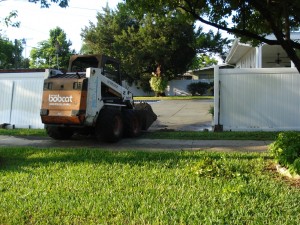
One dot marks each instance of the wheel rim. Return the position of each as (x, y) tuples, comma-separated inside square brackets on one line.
[(117, 126)]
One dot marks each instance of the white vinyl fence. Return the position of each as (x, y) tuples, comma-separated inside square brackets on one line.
[(257, 99), (21, 98)]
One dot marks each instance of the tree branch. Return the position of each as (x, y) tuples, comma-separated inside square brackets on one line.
[(239, 32)]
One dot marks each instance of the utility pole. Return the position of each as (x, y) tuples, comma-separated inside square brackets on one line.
[(57, 48), (16, 54)]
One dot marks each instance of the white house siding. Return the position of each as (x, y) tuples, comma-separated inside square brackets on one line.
[(136, 90), (258, 99), (248, 60), (21, 98)]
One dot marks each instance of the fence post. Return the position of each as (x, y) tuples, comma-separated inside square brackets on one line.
[(216, 123)]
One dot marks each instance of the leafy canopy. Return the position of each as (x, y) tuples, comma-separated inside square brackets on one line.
[(11, 54), (251, 20), (47, 3), (146, 42), (45, 55)]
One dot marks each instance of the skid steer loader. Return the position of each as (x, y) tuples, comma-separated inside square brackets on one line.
[(89, 99)]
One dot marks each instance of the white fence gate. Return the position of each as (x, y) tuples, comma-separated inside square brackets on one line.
[(257, 99)]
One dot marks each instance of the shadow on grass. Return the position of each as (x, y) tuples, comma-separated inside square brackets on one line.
[(16, 159)]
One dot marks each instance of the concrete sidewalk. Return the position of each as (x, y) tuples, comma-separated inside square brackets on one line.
[(140, 144)]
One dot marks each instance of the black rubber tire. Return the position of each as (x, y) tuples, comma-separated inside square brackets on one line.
[(132, 123), (59, 133), (109, 127)]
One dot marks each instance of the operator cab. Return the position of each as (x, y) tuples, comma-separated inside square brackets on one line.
[(110, 66)]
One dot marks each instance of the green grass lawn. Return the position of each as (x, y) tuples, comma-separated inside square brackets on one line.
[(183, 135), (200, 135), (94, 186), (173, 98)]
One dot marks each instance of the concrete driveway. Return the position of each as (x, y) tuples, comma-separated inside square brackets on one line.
[(182, 115)]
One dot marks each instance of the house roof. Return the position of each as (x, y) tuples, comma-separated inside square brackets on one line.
[(237, 51)]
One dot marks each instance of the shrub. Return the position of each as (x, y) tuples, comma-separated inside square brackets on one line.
[(158, 85), (286, 150), (199, 88)]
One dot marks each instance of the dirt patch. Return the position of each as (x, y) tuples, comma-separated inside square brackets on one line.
[(273, 169)]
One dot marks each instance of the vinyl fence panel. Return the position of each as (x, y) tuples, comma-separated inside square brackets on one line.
[(21, 98), (259, 99), (5, 101)]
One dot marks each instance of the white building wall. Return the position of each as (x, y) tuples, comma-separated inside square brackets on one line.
[(136, 90), (259, 99), (248, 60), (179, 87)]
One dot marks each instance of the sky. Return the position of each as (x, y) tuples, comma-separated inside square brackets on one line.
[(36, 22)]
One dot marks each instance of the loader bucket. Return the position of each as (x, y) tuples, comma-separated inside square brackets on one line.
[(146, 114)]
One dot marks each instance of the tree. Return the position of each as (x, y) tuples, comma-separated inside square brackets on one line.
[(11, 54), (251, 20), (52, 53), (6, 54), (47, 3), (144, 42), (201, 61)]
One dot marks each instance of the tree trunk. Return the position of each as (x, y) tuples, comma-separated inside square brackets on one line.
[(290, 51)]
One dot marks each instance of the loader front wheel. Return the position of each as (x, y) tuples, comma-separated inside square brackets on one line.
[(109, 127), (59, 133), (132, 123)]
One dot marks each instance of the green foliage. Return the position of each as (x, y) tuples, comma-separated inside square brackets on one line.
[(11, 54), (211, 110), (201, 61), (47, 3), (143, 42), (199, 88), (94, 186), (249, 20), (45, 55), (9, 20), (286, 150), (158, 84)]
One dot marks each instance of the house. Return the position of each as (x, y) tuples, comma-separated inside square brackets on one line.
[(243, 55), (206, 74)]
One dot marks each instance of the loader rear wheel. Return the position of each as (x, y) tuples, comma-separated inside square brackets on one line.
[(59, 133), (109, 127), (132, 123)]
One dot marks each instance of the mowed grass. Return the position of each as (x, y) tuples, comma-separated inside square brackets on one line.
[(94, 186), (200, 135), (182, 135), (143, 98)]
